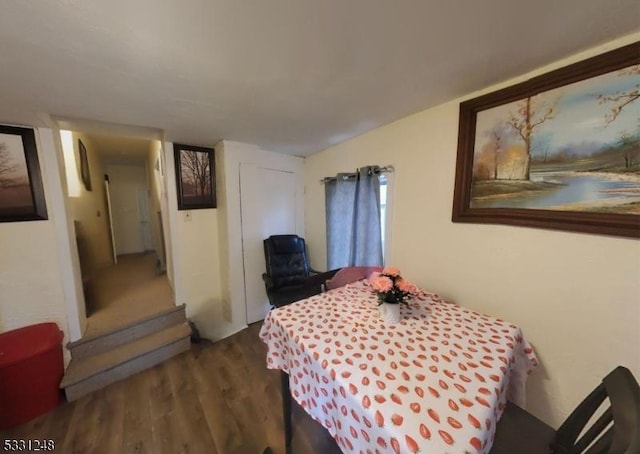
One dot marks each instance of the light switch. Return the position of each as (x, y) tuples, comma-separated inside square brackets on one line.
[(187, 216)]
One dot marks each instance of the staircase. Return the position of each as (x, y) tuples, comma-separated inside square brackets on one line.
[(105, 358)]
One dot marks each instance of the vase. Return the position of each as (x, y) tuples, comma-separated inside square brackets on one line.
[(390, 313)]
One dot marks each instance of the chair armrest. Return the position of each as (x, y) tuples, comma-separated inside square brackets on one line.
[(321, 277), (329, 273)]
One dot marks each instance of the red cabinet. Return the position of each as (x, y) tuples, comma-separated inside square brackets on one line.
[(31, 368)]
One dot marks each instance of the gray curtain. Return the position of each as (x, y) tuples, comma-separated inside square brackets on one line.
[(353, 219)]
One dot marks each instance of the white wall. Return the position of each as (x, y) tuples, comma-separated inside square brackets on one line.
[(576, 296), (163, 178), (89, 209), (156, 186), (230, 155), (36, 262), (195, 254)]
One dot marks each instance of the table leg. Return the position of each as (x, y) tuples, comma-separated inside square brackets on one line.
[(286, 410)]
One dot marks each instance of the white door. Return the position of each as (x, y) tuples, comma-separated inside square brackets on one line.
[(268, 207), (124, 183)]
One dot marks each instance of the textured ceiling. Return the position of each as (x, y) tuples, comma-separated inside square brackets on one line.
[(292, 76)]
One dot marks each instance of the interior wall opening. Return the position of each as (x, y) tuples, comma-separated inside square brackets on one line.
[(117, 204)]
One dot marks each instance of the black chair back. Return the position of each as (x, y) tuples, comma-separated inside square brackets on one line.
[(616, 430), (614, 408), (286, 260)]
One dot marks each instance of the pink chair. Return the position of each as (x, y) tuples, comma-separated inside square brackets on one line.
[(350, 274)]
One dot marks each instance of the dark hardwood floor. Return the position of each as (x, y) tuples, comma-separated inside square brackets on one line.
[(216, 398)]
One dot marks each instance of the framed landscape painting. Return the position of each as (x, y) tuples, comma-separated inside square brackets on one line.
[(559, 151), (195, 177), (21, 192), (84, 166)]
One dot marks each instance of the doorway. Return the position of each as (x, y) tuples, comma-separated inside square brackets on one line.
[(268, 207), (116, 202), (128, 193)]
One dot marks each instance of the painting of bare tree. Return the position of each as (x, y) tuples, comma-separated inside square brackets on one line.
[(195, 172), (21, 195), (561, 150)]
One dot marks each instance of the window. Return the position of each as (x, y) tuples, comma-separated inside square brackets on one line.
[(353, 208)]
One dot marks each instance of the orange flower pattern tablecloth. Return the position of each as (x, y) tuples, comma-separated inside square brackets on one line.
[(435, 382)]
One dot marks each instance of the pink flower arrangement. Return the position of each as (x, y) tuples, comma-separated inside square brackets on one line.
[(391, 287)]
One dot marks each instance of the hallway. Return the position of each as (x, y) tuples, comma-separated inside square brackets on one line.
[(127, 292)]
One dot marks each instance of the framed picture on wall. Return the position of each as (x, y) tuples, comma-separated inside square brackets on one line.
[(195, 177), (84, 166), (559, 151), (21, 191)]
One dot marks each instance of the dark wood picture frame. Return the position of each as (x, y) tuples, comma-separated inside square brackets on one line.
[(195, 176), (84, 166), (21, 190), (608, 223)]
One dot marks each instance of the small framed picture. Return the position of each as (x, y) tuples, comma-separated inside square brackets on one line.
[(84, 166), (195, 177), (21, 191)]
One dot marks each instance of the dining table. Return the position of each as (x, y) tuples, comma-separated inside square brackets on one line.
[(435, 382)]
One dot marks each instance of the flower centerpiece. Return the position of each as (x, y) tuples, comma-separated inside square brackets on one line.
[(392, 290)]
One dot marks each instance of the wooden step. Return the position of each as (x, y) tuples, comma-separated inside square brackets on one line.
[(137, 329), (88, 374)]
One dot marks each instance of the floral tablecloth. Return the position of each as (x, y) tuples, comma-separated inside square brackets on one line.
[(437, 382)]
